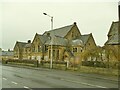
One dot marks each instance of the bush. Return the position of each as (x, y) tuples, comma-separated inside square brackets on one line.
[(35, 62), (93, 64), (87, 63), (4, 62)]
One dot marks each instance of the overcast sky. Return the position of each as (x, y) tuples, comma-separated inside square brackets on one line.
[(20, 20)]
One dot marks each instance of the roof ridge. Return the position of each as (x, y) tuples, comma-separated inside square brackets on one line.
[(39, 34), (86, 34), (58, 36), (116, 21), (60, 28), (21, 42)]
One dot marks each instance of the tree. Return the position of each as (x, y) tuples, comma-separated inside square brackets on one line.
[(94, 56)]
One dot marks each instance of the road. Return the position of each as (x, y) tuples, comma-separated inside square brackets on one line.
[(14, 77)]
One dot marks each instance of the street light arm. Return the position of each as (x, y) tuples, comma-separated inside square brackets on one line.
[(48, 15)]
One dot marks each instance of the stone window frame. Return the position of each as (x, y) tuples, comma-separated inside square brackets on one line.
[(75, 49)]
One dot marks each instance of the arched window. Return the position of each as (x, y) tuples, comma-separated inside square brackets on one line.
[(39, 48)]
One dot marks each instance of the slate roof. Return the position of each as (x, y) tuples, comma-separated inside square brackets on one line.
[(115, 34), (7, 53), (21, 44), (84, 38), (76, 42), (28, 45), (62, 32), (115, 39), (57, 41), (43, 38), (113, 29), (57, 35)]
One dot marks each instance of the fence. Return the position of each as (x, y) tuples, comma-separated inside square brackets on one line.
[(43, 63), (55, 64)]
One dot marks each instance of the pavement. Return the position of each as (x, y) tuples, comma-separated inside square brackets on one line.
[(30, 78)]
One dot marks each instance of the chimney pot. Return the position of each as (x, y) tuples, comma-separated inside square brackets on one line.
[(74, 23)]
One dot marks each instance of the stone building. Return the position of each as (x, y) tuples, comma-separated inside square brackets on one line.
[(5, 55), (64, 43), (38, 47), (22, 50), (112, 45)]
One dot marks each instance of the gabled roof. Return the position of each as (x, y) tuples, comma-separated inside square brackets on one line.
[(44, 38), (114, 28), (76, 42), (62, 32), (114, 34), (21, 44), (85, 38), (114, 40), (57, 41), (82, 40)]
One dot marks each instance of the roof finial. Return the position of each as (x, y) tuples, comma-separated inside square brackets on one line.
[(74, 23)]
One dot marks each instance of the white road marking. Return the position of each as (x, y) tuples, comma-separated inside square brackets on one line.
[(98, 86), (4, 79), (14, 82), (27, 88), (93, 85)]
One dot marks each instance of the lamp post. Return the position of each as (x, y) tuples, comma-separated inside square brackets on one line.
[(51, 38)]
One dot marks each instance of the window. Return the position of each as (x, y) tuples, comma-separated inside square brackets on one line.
[(53, 53), (57, 54), (49, 54), (74, 49), (39, 48), (81, 50), (46, 48)]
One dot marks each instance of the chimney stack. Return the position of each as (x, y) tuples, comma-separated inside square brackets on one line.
[(29, 41)]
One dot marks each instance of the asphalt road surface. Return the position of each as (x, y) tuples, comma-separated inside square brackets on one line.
[(14, 77)]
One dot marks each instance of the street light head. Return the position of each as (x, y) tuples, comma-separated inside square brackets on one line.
[(45, 13)]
